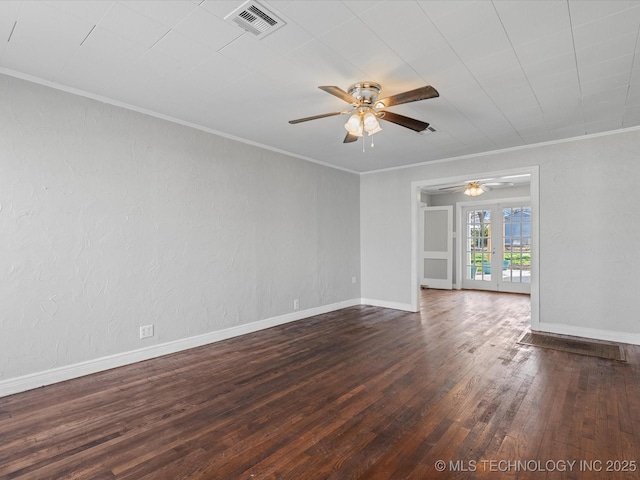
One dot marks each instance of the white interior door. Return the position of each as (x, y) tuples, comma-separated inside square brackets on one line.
[(436, 265), (497, 247)]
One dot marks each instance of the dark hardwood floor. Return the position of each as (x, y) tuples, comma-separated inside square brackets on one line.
[(364, 393)]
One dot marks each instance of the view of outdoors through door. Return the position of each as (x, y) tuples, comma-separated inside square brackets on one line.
[(498, 248)]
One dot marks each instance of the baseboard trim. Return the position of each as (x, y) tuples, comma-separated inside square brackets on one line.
[(383, 303), (68, 372), (61, 374), (594, 333)]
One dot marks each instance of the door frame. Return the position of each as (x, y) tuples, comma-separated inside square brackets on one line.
[(534, 190)]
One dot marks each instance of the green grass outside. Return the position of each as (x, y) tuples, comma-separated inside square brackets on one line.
[(523, 259)]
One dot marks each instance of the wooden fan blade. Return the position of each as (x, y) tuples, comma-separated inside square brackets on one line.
[(341, 94), (412, 123), (422, 93), (350, 138), (315, 117)]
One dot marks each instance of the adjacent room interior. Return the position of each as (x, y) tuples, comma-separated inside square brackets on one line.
[(292, 239)]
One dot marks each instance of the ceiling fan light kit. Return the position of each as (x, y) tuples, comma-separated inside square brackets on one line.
[(361, 122), (367, 109), (473, 189)]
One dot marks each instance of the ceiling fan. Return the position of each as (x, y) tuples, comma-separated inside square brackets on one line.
[(367, 109), (474, 188)]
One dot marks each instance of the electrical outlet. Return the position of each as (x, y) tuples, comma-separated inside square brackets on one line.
[(296, 304), (146, 331), (354, 279)]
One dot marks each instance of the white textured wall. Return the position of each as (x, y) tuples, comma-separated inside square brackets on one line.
[(589, 233), (111, 219)]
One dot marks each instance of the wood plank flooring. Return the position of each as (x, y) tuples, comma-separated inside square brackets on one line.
[(362, 393)]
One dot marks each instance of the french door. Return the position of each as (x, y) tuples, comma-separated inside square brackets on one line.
[(497, 247)]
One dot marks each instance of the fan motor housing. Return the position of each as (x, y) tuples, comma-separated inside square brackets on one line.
[(365, 92)]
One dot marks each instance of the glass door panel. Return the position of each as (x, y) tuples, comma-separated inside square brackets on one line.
[(497, 248), (478, 245), (517, 245)]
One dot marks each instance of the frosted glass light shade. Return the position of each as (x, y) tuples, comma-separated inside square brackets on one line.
[(375, 130), (353, 124), (370, 122), (473, 191)]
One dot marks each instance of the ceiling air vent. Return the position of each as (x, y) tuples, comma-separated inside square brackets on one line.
[(428, 130), (255, 19)]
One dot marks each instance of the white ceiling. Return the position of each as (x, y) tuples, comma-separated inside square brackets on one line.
[(509, 73)]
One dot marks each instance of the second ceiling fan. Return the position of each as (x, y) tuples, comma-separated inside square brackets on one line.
[(473, 188), (367, 108)]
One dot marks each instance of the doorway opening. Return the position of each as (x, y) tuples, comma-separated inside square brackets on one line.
[(489, 232)]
